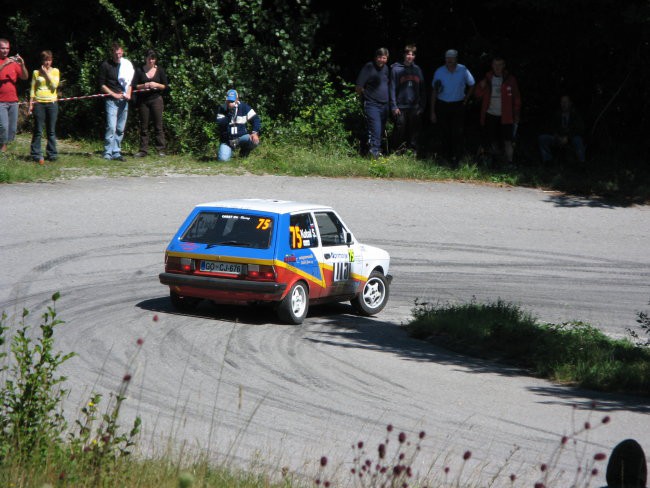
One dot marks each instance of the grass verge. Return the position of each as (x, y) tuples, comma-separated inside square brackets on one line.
[(82, 158), (569, 353)]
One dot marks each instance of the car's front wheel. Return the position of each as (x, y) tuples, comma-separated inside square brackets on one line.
[(374, 296), (184, 304), (293, 309)]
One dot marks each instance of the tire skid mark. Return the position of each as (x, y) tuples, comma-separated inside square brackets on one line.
[(22, 287), (319, 371), (497, 251)]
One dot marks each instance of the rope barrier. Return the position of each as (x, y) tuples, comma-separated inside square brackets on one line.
[(96, 95), (99, 95)]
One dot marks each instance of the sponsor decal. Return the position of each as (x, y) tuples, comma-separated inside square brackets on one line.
[(306, 260), (340, 255)]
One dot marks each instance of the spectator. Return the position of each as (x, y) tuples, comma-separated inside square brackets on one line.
[(627, 466), (115, 78), (372, 86), (453, 85), (232, 118), (500, 108), (11, 68), (568, 128), (150, 103), (43, 104), (407, 100)]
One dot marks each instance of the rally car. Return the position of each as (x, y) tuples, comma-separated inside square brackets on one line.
[(284, 253)]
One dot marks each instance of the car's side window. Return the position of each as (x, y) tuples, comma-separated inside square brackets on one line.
[(302, 231), (332, 232)]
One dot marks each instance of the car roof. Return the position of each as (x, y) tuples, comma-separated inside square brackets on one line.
[(265, 205)]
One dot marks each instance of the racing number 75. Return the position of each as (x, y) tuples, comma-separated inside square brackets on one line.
[(296, 237), (263, 223)]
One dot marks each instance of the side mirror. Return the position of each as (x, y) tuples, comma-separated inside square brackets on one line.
[(348, 238)]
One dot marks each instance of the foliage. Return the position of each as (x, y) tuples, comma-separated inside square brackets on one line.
[(327, 120), (643, 319), (206, 47), (392, 463), (572, 352), (31, 414), (30, 399), (283, 56)]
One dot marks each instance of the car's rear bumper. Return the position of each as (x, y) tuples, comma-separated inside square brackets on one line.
[(262, 288)]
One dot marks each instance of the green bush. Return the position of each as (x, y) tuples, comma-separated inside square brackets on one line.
[(327, 120), (32, 420), (30, 399)]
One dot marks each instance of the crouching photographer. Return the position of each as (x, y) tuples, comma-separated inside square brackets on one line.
[(233, 118)]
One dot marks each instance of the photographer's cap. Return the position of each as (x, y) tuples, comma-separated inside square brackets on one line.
[(451, 53), (231, 96)]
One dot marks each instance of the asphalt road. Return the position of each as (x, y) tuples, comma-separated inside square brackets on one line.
[(235, 382)]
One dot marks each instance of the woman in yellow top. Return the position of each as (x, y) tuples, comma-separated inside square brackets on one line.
[(43, 104)]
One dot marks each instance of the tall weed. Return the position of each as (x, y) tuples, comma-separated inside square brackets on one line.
[(30, 400)]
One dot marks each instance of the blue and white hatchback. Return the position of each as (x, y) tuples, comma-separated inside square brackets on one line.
[(289, 254)]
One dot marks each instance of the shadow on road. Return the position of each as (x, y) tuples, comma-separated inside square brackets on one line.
[(337, 325), (250, 315), (604, 402), (574, 201), (349, 331)]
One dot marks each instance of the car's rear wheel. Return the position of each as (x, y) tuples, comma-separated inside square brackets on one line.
[(184, 304), (374, 296), (293, 309)]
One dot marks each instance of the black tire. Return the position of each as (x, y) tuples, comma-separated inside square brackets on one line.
[(293, 308), (373, 297), (184, 304)]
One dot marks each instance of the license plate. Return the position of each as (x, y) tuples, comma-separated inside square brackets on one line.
[(221, 267)]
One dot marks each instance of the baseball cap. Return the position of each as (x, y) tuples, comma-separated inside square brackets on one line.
[(231, 96), (451, 53)]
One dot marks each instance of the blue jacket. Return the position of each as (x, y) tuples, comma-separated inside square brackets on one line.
[(233, 123), (374, 82), (407, 87)]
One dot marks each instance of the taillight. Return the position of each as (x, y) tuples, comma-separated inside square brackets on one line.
[(187, 265), (260, 272), (174, 263)]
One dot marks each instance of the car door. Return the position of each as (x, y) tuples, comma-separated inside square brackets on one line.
[(300, 256), (337, 255)]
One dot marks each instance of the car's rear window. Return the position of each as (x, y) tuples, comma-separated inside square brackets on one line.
[(230, 229)]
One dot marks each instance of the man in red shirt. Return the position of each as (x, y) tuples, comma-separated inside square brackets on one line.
[(500, 108), (11, 68)]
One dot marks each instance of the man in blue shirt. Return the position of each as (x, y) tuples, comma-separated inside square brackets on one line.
[(372, 85), (453, 85)]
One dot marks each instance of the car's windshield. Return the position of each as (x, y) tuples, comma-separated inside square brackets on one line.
[(230, 229)]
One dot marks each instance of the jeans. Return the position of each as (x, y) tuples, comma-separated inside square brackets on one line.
[(116, 113), (151, 108), (547, 142), (376, 116), (8, 121), (245, 143), (45, 115)]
